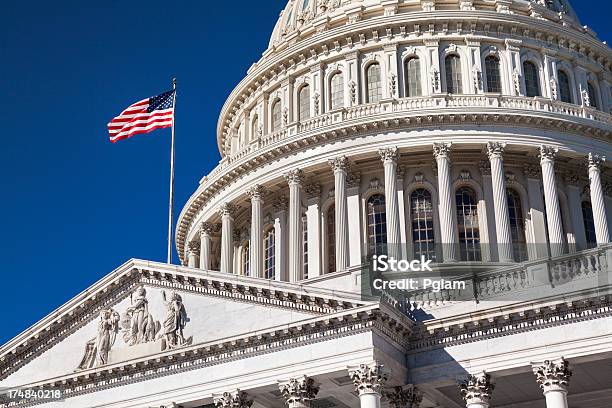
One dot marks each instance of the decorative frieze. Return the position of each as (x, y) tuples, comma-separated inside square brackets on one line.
[(98, 348)]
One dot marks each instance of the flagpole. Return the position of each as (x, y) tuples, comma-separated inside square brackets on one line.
[(171, 206)]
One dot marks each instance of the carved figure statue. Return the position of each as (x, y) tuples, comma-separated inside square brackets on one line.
[(175, 322), (137, 323), (97, 349)]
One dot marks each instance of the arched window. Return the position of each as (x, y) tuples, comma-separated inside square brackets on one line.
[(276, 115), (421, 215), (245, 262), (467, 221), (269, 254), (374, 83), (255, 127), (304, 103), (493, 74), (305, 245), (241, 136), (517, 226), (337, 91), (330, 230), (589, 224), (452, 64), (565, 93), (377, 224), (412, 70), (592, 95), (532, 79)]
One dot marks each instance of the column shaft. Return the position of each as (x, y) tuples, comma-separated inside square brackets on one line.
[(256, 244), (551, 198), (597, 200), (448, 230), (389, 158), (339, 166), (294, 178), (205, 245), (227, 239), (500, 201)]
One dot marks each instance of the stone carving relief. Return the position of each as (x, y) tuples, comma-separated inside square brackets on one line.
[(516, 78), (393, 85), (553, 88), (353, 91), (97, 349), (586, 99), (435, 79), (175, 322), (138, 328), (137, 323)]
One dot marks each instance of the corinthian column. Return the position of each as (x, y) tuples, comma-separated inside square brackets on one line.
[(205, 245), (339, 165), (389, 158), (295, 178), (234, 399), (500, 201), (256, 245), (553, 378), (368, 380), (597, 199), (551, 198), (476, 390), (407, 396), (298, 392), (193, 254), (448, 229), (227, 211)]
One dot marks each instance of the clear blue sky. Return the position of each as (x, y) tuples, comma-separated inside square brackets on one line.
[(74, 207)]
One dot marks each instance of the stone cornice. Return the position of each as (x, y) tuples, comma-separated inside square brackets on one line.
[(546, 35), (322, 328), (405, 114), (117, 285)]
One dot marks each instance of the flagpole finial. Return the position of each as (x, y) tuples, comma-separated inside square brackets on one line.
[(174, 83)]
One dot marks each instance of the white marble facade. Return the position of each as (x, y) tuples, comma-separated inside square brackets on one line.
[(471, 132)]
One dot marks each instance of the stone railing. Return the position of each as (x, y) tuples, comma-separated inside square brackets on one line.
[(498, 103)]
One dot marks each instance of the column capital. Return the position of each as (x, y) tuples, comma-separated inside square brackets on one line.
[(227, 210), (295, 176), (193, 247), (548, 153), (235, 399), (299, 390), (495, 150), (313, 191), (256, 192), (552, 375), (207, 228), (339, 163), (389, 154), (368, 378), (477, 388), (442, 149), (407, 396), (595, 161)]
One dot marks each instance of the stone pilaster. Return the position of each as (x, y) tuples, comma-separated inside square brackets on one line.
[(551, 197), (205, 245), (193, 254), (227, 211), (298, 392), (389, 158), (256, 246), (368, 380), (597, 199), (476, 390), (313, 221), (448, 230), (553, 378), (340, 167), (500, 201), (295, 179), (407, 396), (280, 235), (234, 399)]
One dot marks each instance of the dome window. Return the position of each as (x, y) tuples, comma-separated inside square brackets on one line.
[(412, 71), (493, 74), (532, 79), (565, 93), (374, 83), (453, 74)]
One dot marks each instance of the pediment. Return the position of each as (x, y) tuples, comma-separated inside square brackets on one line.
[(143, 309)]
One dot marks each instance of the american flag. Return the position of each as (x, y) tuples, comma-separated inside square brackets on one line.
[(143, 117)]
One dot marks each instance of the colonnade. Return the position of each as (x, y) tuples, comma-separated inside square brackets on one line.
[(370, 382), (199, 253)]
